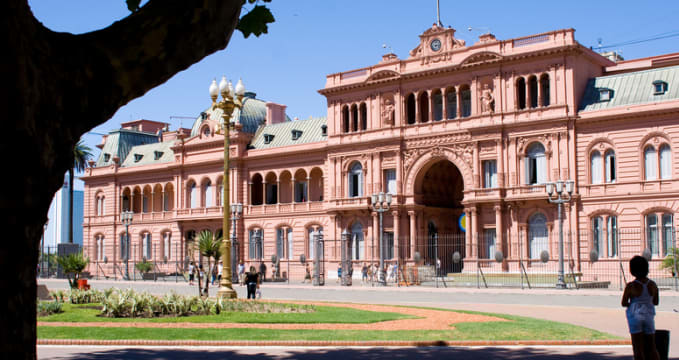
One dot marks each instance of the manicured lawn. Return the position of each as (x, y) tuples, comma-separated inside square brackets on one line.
[(323, 314), (517, 328)]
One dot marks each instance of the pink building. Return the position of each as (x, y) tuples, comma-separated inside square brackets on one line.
[(455, 129)]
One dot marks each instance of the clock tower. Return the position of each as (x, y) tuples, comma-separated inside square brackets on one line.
[(435, 41)]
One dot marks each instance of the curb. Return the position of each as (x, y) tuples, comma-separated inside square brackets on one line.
[(321, 343)]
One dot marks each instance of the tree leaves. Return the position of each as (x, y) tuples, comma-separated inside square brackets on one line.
[(133, 5), (255, 22)]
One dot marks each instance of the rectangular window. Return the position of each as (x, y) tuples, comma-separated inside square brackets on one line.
[(489, 174), (123, 247), (290, 244), (301, 191), (390, 181), (166, 246), (271, 193), (256, 240), (610, 168), (311, 248), (388, 245), (489, 237), (652, 233), (612, 236), (667, 233), (597, 234), (280, 243)]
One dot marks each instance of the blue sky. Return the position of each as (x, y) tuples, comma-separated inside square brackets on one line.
[(313, 38)]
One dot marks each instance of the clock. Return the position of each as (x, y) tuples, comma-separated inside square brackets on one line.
[(435, 45)]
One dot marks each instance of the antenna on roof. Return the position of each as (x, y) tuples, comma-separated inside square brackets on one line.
[(438, 13), (598, 40)]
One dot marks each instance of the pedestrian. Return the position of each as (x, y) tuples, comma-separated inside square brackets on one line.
[(241, 273), (201, 273), (220, 268), (214, 275), (370, 273), (339, 272), (307, 274), (252, 282), (640, 298), (192, 270), (364, 273), (262, 271)]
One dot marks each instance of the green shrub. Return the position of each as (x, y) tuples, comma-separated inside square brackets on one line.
[(671, 261), (85, 296), (49, 307), (72, 265), (144, 266)]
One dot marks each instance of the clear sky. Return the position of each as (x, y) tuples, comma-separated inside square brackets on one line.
[(313, 38)]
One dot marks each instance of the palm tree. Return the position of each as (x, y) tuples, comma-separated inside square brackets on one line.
[(81, 153), (210, 247)]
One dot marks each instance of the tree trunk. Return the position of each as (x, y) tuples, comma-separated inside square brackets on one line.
[(57, 86), (70, 205)]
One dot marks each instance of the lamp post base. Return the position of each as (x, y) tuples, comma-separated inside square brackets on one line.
[(226, 293)]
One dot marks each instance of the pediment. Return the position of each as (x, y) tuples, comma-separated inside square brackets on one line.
[(480, 58), (382, 75)]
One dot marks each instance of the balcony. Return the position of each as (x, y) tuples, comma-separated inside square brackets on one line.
[(527, 192), (286, 208)]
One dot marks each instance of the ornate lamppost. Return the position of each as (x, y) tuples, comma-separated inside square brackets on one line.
[(126, 218), (231, 99), (561, 196), (236, 212), (381, 203)]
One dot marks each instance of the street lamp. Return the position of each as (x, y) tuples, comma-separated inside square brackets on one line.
[(562, 196), (236, 212), (231, 99), (381, 203), (126, 218)]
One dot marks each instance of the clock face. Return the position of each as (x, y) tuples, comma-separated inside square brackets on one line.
[(435, 45)]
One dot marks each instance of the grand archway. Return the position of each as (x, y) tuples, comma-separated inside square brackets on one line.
[(438, 192)]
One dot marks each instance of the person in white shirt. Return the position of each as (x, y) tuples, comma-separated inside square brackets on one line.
[(220, 267)]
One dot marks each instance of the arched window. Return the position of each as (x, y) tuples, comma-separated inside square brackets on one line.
[(597, 235), (466, 98), (147, 246), (193, 195), (451, 104), (544, 87), (364, 116), (357, 245), (100, 247), (533, 89), (410, 108), (257, 194), (595, 168), (438, 105), (611, 173), (652, 233), (356, 180), (255, 244), (536, 164), (207, 191), (650, 163), (424, 107), (521, 93), (345, 119), (311, 244), (167, 245), (282, 235), (665, 162), (537, 235)]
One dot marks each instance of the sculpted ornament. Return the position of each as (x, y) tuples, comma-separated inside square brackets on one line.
[(388, 110), (487, 100)]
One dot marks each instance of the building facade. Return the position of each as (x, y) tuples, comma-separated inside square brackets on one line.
[(464, 137)]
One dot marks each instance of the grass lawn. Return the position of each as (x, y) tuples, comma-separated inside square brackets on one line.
[(323, 314), (517, 328)]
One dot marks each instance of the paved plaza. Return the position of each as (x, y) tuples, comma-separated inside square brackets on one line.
[(596, 309)]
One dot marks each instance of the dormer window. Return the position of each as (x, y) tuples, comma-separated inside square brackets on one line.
[(605, 94), (268, 138), (324, 130), (296, 134), (157, 155), (659, 87), (138, 157), (107, 157)]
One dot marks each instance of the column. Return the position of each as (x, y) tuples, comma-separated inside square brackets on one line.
[(475, 166), (499, 232), (278, 191), (263, 192), (474, 98), (459, 102), (397, 246), (475, 235), (411, 214), (500, 163), (418, 118), (250, 191), (539, 92), (431, 105), (444, 106)]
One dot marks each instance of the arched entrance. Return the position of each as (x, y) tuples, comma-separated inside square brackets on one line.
[(439, 191)]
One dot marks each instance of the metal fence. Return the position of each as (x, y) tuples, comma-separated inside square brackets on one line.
[(527, 259)]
